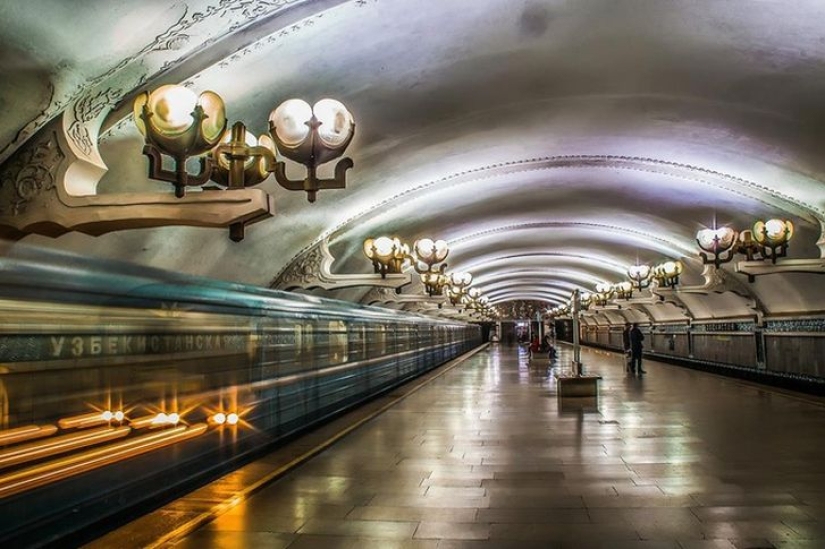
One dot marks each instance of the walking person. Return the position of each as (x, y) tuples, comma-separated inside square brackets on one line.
[(636, 339)]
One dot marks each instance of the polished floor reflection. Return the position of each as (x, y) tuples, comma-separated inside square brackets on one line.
[(486, 456)]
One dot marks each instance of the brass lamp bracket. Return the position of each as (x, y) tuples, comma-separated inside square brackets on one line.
[(50, 188), (311, 184), (180, 178), (313, 269), (782, 265)]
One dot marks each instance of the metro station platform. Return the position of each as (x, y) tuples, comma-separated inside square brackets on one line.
[(484, 454)]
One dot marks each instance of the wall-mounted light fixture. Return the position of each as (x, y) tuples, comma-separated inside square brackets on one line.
[(387, 254), (641, 275), (772, 238), (718, 245), (459, 281), (768, 239), (475, 302), (454, 294), (313, 268), (434, 282), (667, 273), (177, 123), (604, 292), (623, 290), (428, 254)]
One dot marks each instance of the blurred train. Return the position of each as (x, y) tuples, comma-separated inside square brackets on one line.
[(119, 386)]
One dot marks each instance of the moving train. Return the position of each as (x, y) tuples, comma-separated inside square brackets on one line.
[(119, 386)]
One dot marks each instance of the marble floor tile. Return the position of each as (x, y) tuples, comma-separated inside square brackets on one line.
[(487, 456)]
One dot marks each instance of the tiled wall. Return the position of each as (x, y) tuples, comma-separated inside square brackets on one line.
[(789, 347)]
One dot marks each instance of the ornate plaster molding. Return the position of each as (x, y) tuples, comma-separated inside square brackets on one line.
[(385, 295), (188, 36), (313, 269), (50, 188), (716, 281), (761, 268)]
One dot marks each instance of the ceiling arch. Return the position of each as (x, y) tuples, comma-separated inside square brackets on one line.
[(551, 143)]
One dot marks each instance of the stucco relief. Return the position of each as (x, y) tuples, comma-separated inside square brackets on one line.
[(300, 272), (378, 295), (85, 110), (193, 29), (30, 174)]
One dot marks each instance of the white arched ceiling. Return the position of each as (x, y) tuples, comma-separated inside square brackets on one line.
[(552, 143)]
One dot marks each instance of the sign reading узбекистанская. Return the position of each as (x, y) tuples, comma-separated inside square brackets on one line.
[(18, 348)]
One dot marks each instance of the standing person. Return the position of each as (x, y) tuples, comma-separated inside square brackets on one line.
[(636, 338), (628, 364)]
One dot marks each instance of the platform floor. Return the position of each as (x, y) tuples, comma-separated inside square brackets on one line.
[(487, 456)]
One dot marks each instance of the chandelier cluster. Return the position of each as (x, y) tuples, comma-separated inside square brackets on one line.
[(458, 288), (389, 255), (177, 123), (478, 304), (767, 240), (666, 275), (428, 261)]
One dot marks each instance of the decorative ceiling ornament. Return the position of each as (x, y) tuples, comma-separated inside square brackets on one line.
[(313, 269)]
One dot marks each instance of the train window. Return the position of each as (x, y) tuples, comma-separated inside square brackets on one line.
[(380, 340), (303, 339), (404, 339), (299, 332), (357, 335), (337, 341)]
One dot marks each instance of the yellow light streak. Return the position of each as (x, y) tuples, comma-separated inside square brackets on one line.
[(52, 471), (59, 445), (28, 432), (83, 421)]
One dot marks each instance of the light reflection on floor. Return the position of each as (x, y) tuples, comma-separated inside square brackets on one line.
[(487, 457)]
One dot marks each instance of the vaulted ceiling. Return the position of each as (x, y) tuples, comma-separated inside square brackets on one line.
[(551, 143)]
